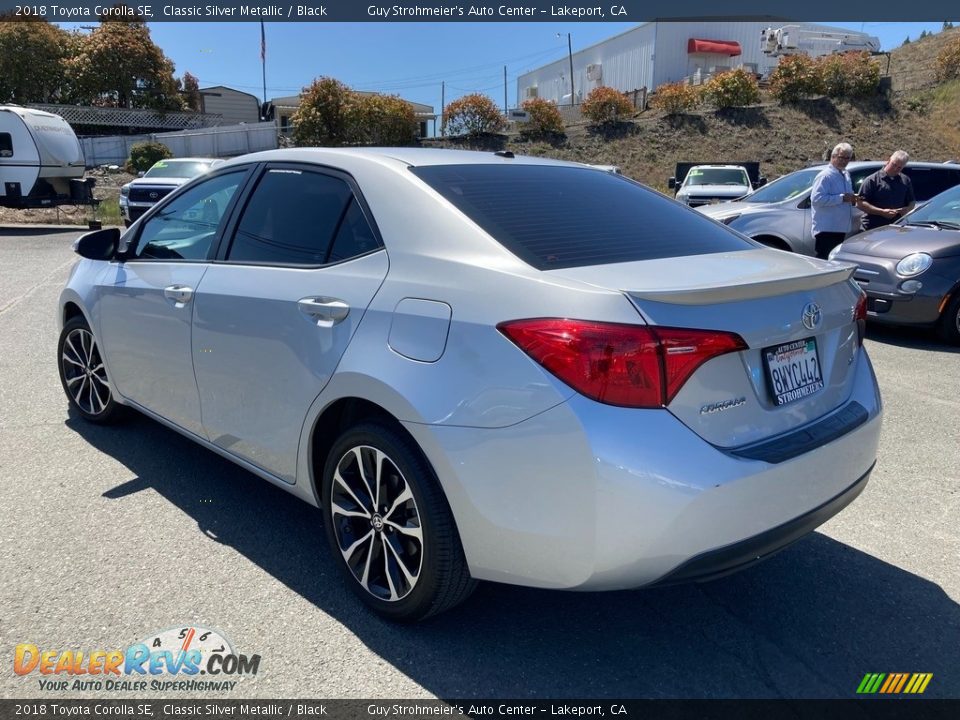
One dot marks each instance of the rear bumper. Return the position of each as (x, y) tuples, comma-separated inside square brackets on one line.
[(743, 554), (587, 496)]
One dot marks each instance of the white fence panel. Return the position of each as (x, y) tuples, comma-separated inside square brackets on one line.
[(221, 142)]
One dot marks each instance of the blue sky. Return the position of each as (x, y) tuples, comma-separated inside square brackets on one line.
[(406, 59)]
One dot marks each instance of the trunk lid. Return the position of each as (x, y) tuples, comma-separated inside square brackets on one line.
[(763, 296)]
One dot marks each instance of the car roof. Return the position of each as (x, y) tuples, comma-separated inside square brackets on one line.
[(187, 159), (413, 156)]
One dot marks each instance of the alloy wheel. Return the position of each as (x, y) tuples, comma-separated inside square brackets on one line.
[(84, 374), (376, 522)]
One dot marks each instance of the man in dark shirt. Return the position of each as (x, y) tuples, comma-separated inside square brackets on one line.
[(887, 194)]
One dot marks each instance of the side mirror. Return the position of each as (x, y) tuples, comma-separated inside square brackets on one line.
[(98, 245), (141, 174), (805, 203), (672, 183), (761, 181)]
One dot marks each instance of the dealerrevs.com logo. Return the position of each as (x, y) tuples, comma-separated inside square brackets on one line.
[(197, 658)]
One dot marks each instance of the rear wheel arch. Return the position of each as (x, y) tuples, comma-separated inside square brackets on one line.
[(334, 420)]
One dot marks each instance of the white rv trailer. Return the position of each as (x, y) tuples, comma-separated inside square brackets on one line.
[(39, 156)]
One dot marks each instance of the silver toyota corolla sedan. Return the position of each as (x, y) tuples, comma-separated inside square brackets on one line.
[(484, 367)]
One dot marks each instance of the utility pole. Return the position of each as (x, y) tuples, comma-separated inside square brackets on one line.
[(570, 55), (505, 90), (443, 109)]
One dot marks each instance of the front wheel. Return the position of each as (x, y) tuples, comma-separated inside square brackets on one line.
[(83, 374), (949, 327), (389, 526)]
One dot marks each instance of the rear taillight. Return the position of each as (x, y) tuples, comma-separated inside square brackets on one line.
[(860, 315), (626, 365)]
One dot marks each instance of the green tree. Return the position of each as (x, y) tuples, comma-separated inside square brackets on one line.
[(376, 119), (120, 66), (474, 114), (322, 117), (606, 105), (33, 57), (906, 40), (733, 88), (191, 91), (545, 118)]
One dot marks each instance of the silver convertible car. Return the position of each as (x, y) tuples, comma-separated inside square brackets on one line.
[(484, 367)]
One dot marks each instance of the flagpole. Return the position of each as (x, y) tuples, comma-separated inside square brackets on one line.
[(263, 59)]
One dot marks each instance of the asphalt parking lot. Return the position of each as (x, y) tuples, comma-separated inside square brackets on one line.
[(110, 535)]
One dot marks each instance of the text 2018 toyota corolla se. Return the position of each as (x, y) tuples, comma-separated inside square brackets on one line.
[(484, 367)]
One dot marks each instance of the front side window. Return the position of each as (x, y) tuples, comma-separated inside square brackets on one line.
[(300, 217), (185, 228), (558, 217), (6, 145)]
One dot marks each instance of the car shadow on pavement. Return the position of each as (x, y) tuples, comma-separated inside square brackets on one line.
[(909, 337), (810, 622)]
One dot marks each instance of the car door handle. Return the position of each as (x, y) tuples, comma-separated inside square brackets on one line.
[(324, 311), (180, 294)]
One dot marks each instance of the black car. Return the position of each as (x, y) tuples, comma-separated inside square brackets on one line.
[(910, 270)]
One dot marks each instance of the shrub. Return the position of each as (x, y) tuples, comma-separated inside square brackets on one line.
[(948, 61), (379, 120), (544, 118), (474, 114), (734, 88), (674, 98), (795, 77), (321, 118), (852, 74), (605, 105), (144, 154)]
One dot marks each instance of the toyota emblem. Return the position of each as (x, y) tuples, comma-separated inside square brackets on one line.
[(811, 316)]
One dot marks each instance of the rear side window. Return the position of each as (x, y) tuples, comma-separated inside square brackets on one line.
[(6, 145), (297, 217), (928, 182), (558, 217)]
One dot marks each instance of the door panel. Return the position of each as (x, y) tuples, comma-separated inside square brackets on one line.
[(262, 355), (146, 302), (147, 337), (274, 317)]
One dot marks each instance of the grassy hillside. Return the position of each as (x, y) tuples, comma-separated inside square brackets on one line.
[(919, 116)]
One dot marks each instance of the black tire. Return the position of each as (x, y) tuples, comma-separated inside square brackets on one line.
[(949, 325), (386, 552), (83, 374)]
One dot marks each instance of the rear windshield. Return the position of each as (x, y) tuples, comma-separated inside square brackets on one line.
[(555, 217)]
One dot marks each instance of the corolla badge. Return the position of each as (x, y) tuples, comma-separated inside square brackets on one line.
[(812, 316)]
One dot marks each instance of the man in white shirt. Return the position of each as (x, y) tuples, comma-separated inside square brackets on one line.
[(832, 201)]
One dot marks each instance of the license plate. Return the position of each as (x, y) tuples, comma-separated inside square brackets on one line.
[(793, 370)]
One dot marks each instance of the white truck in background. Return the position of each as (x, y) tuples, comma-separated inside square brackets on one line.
[(706, 184)]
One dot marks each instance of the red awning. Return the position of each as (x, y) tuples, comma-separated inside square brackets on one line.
[(717, 47)]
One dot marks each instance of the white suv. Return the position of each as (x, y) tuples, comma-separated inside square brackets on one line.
[(163, 178)]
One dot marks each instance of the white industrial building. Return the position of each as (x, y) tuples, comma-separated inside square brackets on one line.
[(656, 53)]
